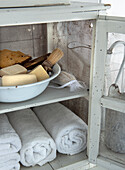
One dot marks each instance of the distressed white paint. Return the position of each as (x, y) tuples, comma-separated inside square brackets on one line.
[(96, 90), (35, 15), (109, 24), (22, 3)]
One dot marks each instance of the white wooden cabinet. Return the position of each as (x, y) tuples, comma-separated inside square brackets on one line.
[(74, 12)]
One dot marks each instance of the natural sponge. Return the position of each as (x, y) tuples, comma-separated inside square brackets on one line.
[(8, 58)]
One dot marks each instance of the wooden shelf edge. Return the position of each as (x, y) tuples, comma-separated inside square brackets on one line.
[(50, 95)]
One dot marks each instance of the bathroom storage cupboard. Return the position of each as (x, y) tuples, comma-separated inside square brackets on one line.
[(97, 154)]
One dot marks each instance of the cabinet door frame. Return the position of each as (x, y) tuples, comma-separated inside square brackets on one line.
[(103, 26)]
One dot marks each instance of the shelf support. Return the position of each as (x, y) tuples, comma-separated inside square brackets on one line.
[(113, 103)]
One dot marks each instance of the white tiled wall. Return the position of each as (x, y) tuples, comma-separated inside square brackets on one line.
[(115, 62)]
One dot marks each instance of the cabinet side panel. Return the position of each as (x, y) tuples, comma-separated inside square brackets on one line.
[(76, 58)]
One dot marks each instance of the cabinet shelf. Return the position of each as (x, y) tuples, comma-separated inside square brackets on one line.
[(35, 15), (62, 161), (50, 95), (113, 103)]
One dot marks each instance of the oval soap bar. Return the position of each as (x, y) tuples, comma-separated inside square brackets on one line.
[(12, 70), (20, 79)]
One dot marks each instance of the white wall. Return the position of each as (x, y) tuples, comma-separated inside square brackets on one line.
[(117, 7)]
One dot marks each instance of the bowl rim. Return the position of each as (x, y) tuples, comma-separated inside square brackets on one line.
[(37, 83)]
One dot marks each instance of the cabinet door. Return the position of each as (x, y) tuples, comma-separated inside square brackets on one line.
[(22, 3), (98, 152)]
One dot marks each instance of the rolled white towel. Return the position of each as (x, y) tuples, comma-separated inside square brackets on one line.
[(37, 145), (66, 128), (10, 162), (9, 139)]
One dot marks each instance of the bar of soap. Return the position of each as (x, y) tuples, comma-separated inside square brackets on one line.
[(40, 73), (12, 70), (20, 79)]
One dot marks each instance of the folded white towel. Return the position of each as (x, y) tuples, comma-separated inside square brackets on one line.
[(10, 162), (67, 129), (9, 140), (37, 145)]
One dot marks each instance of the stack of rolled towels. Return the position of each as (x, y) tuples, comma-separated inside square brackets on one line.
[(43, 131), (10, 144), (38, 147)]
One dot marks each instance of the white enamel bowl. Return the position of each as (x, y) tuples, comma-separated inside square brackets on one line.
[(26, 92)]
